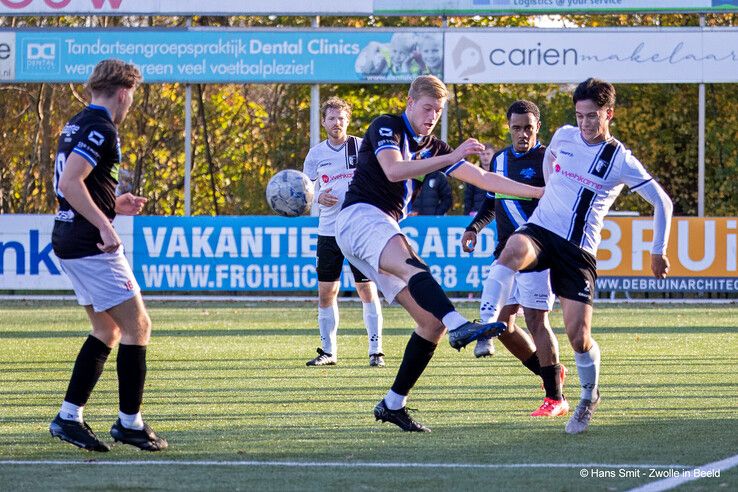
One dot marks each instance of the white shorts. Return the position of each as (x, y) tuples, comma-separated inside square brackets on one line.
[(532, 290), (102, 281), (362, 232)]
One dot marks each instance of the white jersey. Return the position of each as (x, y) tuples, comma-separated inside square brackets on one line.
[(331, 168), (583, 183)]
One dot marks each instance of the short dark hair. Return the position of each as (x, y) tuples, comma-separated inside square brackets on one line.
[(523, 106), (601, 92)]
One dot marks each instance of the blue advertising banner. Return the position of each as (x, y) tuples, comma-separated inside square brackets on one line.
[(219, 56), (263, 253)]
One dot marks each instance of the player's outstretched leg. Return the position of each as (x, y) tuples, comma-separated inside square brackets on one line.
[(430, 296)]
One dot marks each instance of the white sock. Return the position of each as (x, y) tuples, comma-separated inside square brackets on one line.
[(588, 367), (373, 321), (70, 411), (453, 320), (134, 421), (495, 291), (328, 326), (394, 401)]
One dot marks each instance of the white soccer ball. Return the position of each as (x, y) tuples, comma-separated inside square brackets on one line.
[(290, 193)]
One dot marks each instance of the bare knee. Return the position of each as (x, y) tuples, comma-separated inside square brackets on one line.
[(580, 342), (518, 253), (108, 335), (365, 291), (327, 293), (536, 320)]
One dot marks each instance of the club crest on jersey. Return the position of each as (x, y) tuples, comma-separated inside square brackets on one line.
[(601, 166), (352, 160), (386, 132), (528, 173)]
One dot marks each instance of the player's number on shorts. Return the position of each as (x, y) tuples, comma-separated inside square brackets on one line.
[(61, 160)]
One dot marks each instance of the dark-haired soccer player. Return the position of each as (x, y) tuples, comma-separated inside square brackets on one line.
[(397, 151), (522, 162), (588, 168), (91, 255)]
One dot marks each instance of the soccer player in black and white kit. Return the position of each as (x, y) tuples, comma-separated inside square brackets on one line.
[(522, 162), (587, 169), (331, 164), (397, 151), (90, 253)]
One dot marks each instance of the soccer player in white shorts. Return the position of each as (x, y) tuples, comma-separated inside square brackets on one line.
[(587, 170), (396, 152), (90, 252)]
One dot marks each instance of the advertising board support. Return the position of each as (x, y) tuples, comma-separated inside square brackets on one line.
[(701, 154), (188, 151), (188, 145), (315, 103)]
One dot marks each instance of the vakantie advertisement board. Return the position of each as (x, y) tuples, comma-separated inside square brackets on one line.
[(276, 254)]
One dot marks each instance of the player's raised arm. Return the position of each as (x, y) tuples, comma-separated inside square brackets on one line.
[(398, 169), (494, 182)]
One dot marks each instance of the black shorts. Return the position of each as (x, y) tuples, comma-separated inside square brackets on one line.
[(330, 262), (573, 270)]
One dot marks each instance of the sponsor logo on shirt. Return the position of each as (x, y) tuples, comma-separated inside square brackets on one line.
[(582, 180), (385, 132)]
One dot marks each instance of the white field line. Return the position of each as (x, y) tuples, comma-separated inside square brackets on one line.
[(196, 298), (335, 464), (689, 475)]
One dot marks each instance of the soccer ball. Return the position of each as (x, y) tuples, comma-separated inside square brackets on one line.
[(290, 193)]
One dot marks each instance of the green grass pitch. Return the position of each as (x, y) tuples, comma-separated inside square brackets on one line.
[(228, 383)]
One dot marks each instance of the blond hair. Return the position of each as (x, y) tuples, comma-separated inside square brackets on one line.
[(110, 75), (335, 103), (428, 85)]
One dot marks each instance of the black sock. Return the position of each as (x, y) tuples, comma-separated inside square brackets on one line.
[(418, 353), (550, 376), (87, 370), (533, 364), (131, 377), (429, 295)]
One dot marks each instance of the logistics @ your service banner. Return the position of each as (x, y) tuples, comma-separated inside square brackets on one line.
[(492, 7), (275, 254), (220, 56)]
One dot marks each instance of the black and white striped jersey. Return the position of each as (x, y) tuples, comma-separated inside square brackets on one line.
[(92, 135), (583, 183), (331, 168), (370, 184)]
